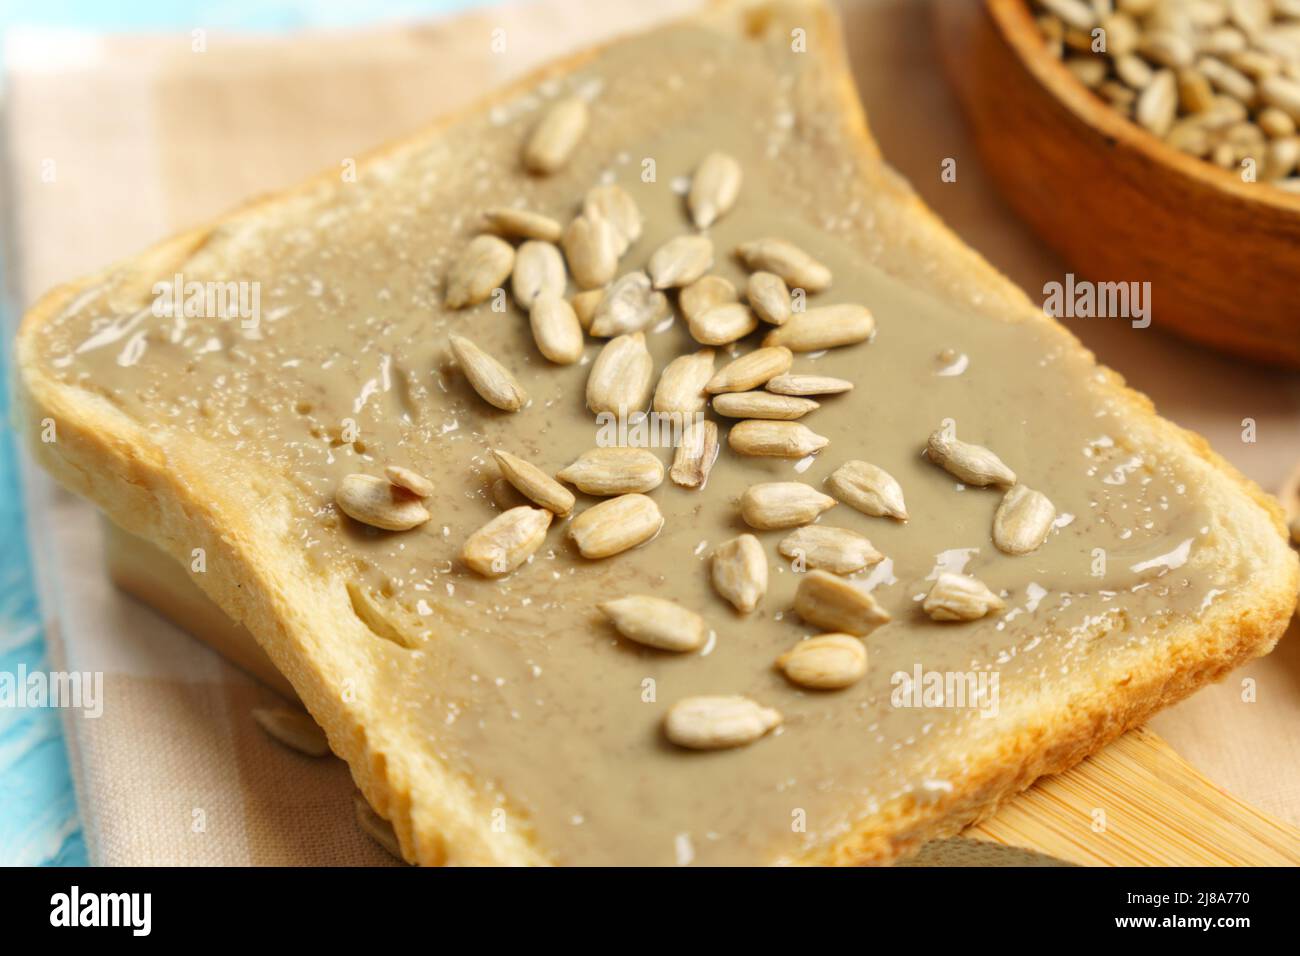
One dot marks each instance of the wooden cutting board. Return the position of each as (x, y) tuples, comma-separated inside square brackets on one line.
[(1136, 803)]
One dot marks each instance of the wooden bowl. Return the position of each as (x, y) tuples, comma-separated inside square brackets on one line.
[(1118, 203)]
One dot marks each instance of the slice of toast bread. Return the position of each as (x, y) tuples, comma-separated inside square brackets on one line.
[(502, 721)]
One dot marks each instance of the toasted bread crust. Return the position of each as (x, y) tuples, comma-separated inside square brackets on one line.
[(173, 496)]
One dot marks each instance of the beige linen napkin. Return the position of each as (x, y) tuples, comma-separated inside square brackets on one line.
[(147, 136)]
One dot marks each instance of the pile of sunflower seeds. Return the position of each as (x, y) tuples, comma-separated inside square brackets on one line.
[(1218, 79)]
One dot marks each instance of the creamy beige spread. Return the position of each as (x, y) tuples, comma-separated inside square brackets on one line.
[(520, 683)]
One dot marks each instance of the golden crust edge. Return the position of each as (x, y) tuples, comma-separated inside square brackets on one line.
[(110, 459)]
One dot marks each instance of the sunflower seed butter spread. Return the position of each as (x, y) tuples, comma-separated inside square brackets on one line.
[(520, 683)]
